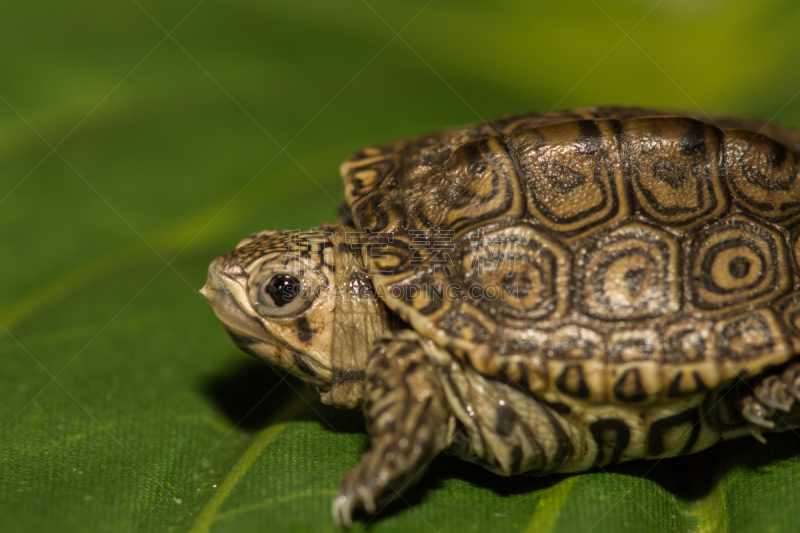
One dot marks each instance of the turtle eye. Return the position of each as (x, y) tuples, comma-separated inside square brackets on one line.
[(282, 295), (282, 289)]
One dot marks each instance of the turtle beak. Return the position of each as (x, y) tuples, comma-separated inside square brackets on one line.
[(206, 291), (227, 295), (212, 282)]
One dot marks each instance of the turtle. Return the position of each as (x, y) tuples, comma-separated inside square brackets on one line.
[(542, 293)]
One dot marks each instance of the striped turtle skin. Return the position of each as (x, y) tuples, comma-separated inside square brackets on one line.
[(549, 293)]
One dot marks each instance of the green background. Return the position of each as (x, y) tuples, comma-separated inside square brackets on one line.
[(131, 156)]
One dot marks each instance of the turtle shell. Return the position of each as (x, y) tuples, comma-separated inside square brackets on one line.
[(610, 254)]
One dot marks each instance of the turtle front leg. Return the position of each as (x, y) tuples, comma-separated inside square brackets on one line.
[(408, 420)]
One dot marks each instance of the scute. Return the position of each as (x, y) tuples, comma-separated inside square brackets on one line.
[(634, 372), (790, 313), (796, 247), (735, 263), (576, 363), (487, 185), (630, 273), (523, 269), (676, 178), (750, 337), (573, 174), (652, 256), (763, 177)]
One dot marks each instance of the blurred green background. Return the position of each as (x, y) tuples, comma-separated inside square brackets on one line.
[(140, 139)]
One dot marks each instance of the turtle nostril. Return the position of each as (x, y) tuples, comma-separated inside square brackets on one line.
[(215, 270)]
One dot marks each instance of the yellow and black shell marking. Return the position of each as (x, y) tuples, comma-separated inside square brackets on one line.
[(617, 256)]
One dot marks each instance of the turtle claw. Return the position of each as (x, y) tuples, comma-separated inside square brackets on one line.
[(756, 432), (756, 413), (358, 489), (772, 392), (346, 502), (342, 510), (794, 391), (791, 377)]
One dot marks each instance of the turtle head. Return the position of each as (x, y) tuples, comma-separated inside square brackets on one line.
[(280, 299)]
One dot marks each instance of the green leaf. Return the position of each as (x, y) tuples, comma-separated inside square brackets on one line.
[(129, 159)]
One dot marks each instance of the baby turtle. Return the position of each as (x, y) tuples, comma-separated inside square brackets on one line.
[(542, 293)]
